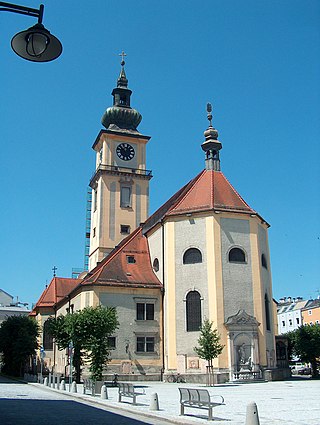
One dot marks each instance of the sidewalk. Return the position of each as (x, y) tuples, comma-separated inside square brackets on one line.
[(284, 402)]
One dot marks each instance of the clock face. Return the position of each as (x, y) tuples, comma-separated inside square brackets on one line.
[(125, 151)]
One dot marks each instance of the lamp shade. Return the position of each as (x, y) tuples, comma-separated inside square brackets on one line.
[(36, 44)]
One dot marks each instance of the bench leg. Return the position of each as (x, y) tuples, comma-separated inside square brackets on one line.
[(181, 409), (210, 414), (134, 399), (119, 399)]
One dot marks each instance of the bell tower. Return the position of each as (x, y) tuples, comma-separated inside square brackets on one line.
[(120, 184)]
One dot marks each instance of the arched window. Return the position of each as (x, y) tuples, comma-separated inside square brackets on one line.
[(192, 256), (237, 255), (193, 311), (264, 261), (47, 337), (155, 265), (267, 309)]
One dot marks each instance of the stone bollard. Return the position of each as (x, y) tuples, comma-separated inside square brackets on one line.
[(58, 382), (53, 382), (73, 387), (62, 385), (154, 402), (104, 392), (252, 417), (45, 382)]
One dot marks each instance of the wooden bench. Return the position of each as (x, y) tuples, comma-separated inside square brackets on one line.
[(200, 399), (128, 390)]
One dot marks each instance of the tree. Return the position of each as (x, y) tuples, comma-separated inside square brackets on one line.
[(88, 329), (305, 343), (18, 341), (209, 345)]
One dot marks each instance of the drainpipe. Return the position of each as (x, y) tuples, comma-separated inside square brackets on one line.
[(162, 301)]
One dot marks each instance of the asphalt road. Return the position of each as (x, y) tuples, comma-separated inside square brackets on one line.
[(23, 404)]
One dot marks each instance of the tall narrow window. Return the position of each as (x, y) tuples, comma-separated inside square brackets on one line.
[(264, 261), (125, 197), (267, 309), (192, 256), (193, 311), (95, 200), (237, 255), (47, 337)]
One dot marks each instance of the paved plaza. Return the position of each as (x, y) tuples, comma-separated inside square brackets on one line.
[(295, 401)]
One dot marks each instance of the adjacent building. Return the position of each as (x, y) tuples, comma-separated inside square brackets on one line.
[(311, 312), (289, 314)]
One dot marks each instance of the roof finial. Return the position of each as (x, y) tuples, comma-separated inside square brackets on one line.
[(211, 145), (122, 54), (54, 268), (122, 80), (209, 110)]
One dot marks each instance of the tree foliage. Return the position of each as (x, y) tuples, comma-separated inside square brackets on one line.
[(209, 343), (88, 329), (18, 341), (304, 343)]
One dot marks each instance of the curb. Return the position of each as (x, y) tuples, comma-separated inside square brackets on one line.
[(116, 409)]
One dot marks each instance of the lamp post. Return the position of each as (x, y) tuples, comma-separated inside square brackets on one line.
[(35, 44)]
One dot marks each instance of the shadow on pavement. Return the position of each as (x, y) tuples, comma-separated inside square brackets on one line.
[(56, 412)]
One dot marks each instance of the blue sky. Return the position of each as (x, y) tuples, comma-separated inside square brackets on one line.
[(258, 62)]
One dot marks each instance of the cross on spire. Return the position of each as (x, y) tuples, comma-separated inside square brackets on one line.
[(122, 54), (54, 268)]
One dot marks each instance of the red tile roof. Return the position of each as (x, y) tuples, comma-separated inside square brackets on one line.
[(208, 191), (116, 270), (58, 288)]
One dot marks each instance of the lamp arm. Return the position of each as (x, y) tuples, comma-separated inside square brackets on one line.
[(23, 10)]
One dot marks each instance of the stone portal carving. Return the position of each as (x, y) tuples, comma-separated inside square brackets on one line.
[(243, 345)]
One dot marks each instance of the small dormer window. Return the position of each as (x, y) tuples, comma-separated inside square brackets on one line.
[(123, 100), (131, 259)]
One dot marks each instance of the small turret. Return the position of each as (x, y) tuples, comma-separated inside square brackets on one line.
[(211, 145)]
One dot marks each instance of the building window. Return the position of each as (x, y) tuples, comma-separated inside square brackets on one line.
[(193, 311), (310, 323), (100, 155), (145, 311), (283, 323), (192, 256), (112, 342), (290, 322), (267, 312), (264, 261), (124, 229), (125, 196), (155, 265), (317, 322), (94, 232), (145, 344), (95, 200), (47, 337), (298, 320), (237, 255), (131, 259), (310, 312)]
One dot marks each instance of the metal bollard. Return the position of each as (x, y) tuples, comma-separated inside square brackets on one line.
[(45, 382), (62, 385), (73, 387), (104, 392), (154, 402), (252, 417)]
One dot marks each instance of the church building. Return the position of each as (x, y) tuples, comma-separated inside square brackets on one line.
[(202, 254)]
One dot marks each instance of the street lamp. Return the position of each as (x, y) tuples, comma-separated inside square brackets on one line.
[(35, 44)]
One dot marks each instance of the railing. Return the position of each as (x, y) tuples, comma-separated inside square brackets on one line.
[(247, 375), (117, 168)]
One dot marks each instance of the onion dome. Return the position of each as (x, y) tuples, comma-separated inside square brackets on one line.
[(121, 116)]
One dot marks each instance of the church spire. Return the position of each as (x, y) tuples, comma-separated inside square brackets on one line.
[(121, 116), (211, 145)]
